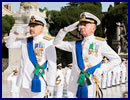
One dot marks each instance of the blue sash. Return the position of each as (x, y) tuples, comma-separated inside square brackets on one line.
[(82, 91), (36, 83)]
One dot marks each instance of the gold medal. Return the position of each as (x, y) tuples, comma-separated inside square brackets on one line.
[(89, 66), (40, 71), (96, 49), (36, 51), (39, 59), (96, 53), (86, 59), (90, 51)]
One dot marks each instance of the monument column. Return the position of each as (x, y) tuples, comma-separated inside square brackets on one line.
[(116, 40)]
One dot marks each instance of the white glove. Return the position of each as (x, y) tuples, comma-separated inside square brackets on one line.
[(98, 72), (71, 27), (21, 29), (104, 67)]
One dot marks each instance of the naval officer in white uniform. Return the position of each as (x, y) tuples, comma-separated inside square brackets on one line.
[(14, 89), (104, 75), (123, 70), (59, 81), (38, 53), (87, 56), (68, 74)]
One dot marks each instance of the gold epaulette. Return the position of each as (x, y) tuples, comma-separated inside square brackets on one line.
[(100, 38), (47, 37)]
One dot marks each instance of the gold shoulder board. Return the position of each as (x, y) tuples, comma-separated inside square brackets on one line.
[(100, 38), (47, 37)]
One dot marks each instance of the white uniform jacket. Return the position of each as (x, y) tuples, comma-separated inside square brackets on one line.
[(26, 68), (103, 50)]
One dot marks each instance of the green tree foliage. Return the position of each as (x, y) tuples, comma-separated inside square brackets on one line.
[(7, 23), (68, 15), (55, 24), (119, 13)]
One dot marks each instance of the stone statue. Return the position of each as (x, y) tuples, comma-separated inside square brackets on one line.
[(29, 4), (124, 44), (123, 39)]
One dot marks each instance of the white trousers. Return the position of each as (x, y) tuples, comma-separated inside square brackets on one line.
[(59, 91), (69, 94), (27, 93), (109, 74), (104, 80), (114, 77), (118, 77), (15, 94), (123, 76)]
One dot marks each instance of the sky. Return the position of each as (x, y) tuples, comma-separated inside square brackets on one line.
[(54, 5)]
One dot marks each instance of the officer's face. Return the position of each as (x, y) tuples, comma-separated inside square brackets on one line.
[(70, 66), (15, 73), (36, 30), (87, 29), (60, 67)]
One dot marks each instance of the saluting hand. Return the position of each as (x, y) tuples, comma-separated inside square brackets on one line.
[(21, 29), (71, 27)]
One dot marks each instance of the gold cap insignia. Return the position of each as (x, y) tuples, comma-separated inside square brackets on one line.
[(83, 18), (32, 19)]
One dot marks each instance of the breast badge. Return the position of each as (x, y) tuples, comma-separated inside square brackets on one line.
[(38, 50), (93, 49)]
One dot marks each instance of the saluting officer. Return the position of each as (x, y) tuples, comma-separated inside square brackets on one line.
[(87, 56), (38, 53)]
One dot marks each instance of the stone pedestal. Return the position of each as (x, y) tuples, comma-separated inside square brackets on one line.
[(14, 62), (116, 46)]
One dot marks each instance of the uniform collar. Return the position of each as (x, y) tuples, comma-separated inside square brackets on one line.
[(39, 37), (91, 37)]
